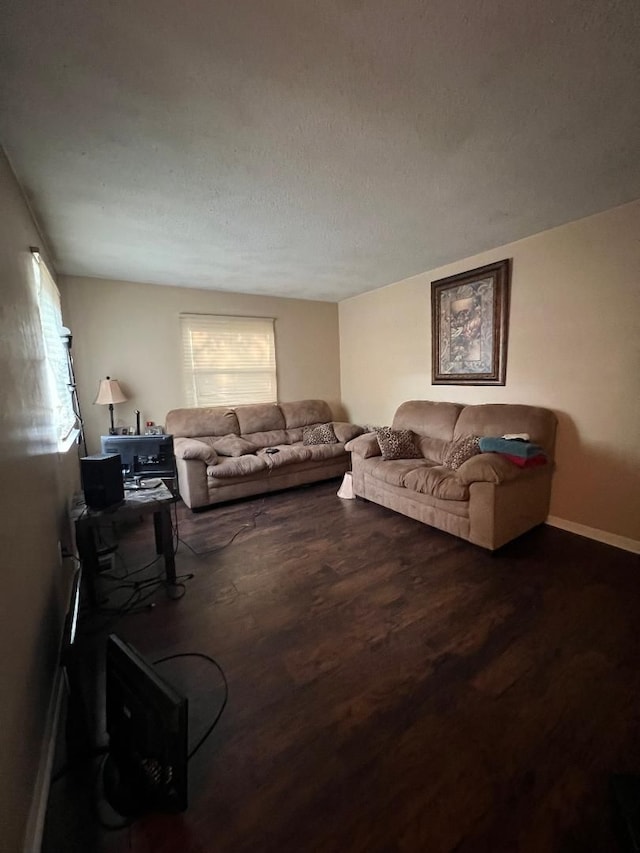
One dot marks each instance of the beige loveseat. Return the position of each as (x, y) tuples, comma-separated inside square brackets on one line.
[(221, 452), (488, 500)]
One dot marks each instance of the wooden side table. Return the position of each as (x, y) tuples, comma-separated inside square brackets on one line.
[(138, 502)]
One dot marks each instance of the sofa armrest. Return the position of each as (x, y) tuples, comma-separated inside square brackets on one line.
[(192, 448), (487, 468), (364, 445), (346, 432), (192, 482), (500, 512)]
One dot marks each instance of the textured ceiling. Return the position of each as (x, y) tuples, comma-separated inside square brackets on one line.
[(314, 148)]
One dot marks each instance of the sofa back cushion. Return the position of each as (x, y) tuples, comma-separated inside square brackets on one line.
[(268, 438), (192, 423), (433, 423), (259, 417), (497, 419), (424, 417), (305, 413)]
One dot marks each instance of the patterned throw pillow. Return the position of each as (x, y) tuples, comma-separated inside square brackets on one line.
[(319, 434), (460, 451), (397, 443)]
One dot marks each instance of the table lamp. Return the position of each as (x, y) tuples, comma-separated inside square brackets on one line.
[(109, 393)]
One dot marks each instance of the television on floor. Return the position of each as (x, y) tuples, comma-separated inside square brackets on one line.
[(79, 741), (147, 723)]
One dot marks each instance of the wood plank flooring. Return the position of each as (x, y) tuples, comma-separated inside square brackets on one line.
[(391, 688)]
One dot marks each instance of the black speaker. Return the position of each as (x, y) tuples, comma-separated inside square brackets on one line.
[(102, 480)]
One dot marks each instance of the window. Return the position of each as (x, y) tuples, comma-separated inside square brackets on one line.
[(228, 361), (55, 338)]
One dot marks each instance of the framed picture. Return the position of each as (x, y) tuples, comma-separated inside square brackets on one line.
[(469, 326)]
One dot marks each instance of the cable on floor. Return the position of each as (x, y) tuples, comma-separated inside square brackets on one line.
[(213, 724), (248, 525)]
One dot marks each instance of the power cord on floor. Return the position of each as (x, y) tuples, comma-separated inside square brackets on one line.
[(212, 725), (138, 600), (248, 525)]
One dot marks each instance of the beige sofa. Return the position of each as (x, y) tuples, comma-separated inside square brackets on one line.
[(488, 500), (221, 452)]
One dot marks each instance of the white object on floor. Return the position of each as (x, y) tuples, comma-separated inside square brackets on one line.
[(346, 489)]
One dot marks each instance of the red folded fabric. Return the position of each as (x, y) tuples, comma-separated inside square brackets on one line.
[(532, 462)]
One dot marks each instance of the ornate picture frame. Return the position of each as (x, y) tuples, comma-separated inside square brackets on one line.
[(469, 326)]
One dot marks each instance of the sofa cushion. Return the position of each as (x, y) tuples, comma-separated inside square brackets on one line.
[(345, 432), (286, 455), (319, 434), (325, 451), (437, 481), (305, 413), (193, 448), (259, 417), (487, 468), (425, 417), (432, 448), (365, 446), (193, 423), (461, 450), (233, 445), (490, 419), (397, 443), (269, 438), (238, 466), (394, 471)]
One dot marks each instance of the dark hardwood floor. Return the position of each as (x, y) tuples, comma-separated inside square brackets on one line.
[(390, 687)]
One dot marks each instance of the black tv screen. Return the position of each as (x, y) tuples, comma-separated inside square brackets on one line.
[(142, 454), (147, 726), (71, 620), (78, 725)]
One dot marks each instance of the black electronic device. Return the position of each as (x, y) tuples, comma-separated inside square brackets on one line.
[(142, 455), (77, 729), (70, 629), (101, 480), (625, 788), (147, 723)]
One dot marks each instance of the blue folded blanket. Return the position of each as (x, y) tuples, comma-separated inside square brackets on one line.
[(522, 449)]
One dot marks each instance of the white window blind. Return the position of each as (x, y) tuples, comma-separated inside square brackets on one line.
[(228, 361), (57, 364)]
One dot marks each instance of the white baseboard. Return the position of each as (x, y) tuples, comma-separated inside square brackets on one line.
[(38, 810), (593, 533)]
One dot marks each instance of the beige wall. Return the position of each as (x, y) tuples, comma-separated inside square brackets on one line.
[(131, 332), (574, 347), (32, 519)]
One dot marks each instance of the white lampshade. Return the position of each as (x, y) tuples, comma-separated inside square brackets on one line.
[(110, 392)]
